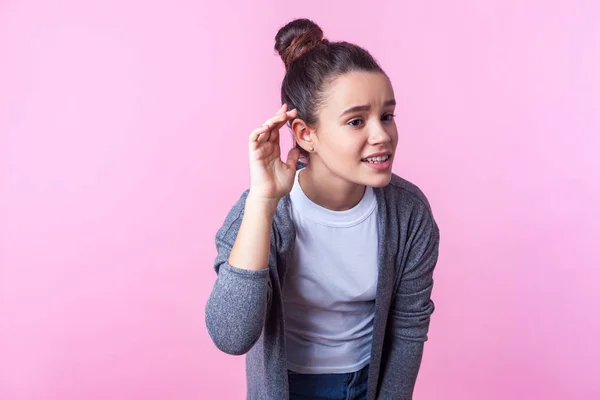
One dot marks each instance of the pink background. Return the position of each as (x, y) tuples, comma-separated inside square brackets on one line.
[(123, 130)]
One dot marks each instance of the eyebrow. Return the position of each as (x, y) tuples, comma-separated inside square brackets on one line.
[(391, 102)]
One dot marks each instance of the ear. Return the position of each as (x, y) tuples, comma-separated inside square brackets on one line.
[(303, 134)]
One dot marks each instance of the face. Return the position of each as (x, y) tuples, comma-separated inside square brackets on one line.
[(356, 136)]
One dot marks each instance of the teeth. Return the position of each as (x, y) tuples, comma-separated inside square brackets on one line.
[(377, 159)]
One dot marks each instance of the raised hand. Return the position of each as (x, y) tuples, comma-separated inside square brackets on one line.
[(270, 177)]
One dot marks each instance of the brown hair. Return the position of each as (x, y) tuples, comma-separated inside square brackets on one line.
[(311, 61)]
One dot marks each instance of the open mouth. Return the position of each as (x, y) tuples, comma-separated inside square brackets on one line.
[(376, 160)]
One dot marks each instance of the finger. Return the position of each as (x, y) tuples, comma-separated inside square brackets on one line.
[(280, 120), (257, 132), (293, 157), (278, 115), (273, 136), (259, 144), (275, 129), (269, 121), (263, 132), (263, 137), (257, 152)]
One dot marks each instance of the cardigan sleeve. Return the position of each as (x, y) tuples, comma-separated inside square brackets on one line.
[(236, 308), (410, 313)]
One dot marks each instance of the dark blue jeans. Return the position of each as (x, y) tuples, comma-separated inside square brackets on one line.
[(348, 386)]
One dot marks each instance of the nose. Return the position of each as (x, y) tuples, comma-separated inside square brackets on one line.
[(379, 135)]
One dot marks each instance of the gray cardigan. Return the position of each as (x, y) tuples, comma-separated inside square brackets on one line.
[(244, 313)]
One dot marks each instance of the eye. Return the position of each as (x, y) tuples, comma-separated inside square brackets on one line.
[(356, 121), (351, 122)]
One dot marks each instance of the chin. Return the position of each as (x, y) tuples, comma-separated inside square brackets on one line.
[(380, 181), (377, 176)]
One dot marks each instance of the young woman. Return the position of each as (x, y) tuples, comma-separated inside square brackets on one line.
[(324, 267)]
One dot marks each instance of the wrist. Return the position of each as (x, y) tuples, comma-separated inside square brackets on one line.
[(259, 203)]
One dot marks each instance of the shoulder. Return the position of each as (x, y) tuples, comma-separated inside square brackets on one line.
[(405, 192), (407, 203)]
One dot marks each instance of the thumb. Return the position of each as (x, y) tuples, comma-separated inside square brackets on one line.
[(293, 157)]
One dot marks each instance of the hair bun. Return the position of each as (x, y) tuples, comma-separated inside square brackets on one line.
[(296, 38)]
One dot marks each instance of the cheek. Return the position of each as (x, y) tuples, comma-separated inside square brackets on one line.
[(352, 150), (344, 147), (340, 142)]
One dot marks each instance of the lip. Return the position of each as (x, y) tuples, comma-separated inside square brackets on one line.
[(381, 153), (383, 166)]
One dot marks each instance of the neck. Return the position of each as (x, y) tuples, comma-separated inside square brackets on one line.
[(328, 190)]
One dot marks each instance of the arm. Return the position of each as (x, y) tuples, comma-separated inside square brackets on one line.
[(410, 314), (236, 308)]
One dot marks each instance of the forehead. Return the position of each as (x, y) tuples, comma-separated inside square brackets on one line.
[(358, 88)]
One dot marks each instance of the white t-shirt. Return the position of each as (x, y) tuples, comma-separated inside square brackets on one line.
[(330, 285)]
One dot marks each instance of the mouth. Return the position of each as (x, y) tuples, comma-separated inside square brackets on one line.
[(377, 159), (381, 162)]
